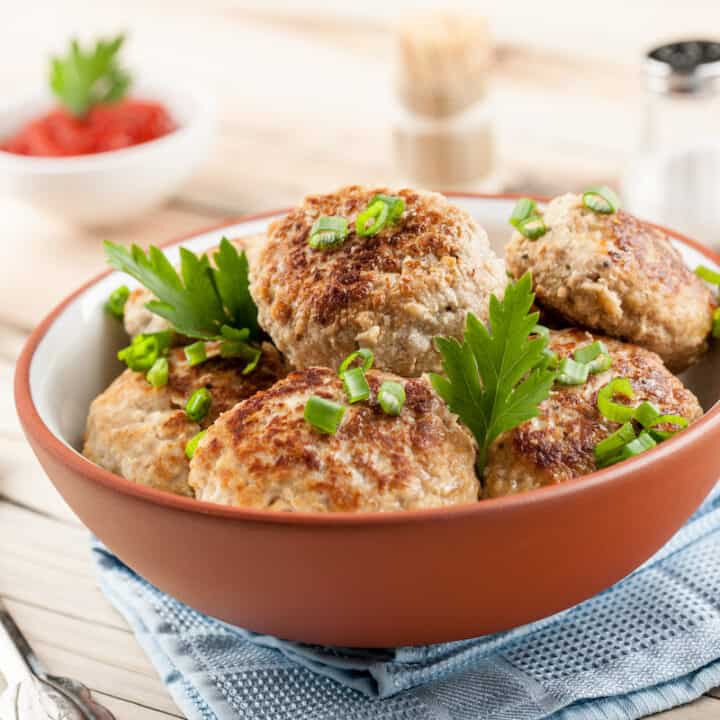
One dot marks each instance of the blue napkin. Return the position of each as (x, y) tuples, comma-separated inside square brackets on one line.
[(649, 643)]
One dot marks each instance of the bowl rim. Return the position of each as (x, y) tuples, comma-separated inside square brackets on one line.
[(35, 427), (202, 119)]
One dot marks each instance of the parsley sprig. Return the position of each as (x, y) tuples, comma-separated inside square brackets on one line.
[(84, 78), (497, 376), (200, 300)]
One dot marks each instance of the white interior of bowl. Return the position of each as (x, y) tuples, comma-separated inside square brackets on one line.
[(190, 111), (76, 360)]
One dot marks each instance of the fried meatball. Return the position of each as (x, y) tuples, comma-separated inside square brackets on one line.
[(391, 293), (559, 443), (618, 275), (263, 454), (138, 319), (140, 432)]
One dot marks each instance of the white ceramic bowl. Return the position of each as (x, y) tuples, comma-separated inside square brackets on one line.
[(110, 187)]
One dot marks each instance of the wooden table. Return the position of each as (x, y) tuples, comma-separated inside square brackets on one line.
[(566, 107)]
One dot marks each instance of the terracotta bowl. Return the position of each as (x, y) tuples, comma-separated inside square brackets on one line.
[(368, 580)]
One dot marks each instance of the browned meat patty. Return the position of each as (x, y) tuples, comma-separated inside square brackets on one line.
[(559, 443), (263, 454), (140, 432), (618, 275), (391, 293)]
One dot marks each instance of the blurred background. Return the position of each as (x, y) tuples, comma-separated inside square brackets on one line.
[(510, 96)]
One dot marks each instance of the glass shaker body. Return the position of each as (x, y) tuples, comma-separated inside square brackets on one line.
[(674, 178)]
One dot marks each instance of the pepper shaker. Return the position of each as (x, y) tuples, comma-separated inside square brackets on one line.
[(674, 177)]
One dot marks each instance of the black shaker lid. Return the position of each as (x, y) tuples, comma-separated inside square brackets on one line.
[(686, 66)]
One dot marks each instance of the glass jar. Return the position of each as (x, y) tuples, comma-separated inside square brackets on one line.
[(674, 178), (442, 126)]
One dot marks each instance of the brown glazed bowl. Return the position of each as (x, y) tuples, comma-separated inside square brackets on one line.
[(372, 580)]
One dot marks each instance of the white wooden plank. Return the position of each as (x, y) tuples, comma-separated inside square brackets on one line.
[(11, 342), (127, 710), (704, 708), (23, 481), (96, 643), (9, 423), (104, 678), (54, 258), (46, 562), (73, 628)]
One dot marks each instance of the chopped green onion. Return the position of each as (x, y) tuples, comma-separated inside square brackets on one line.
[(707, 274), (550, 359), (144, 349), (241, 349), (396, 206), (601, 199), (236, 348), (588, 353), (141, 354), (608, 448), (356, 386), (600, 364), (377, 214), (196, 353), (157, 375), (524, 208), (678, 420), (660, 435), (253, 362), (232, 333), (324, 415), (198, 404), (646, 414), (641, 443), (391, 397), (328, 231), (716, 323), (368, 358), (532, 228), (192, 444), (382, 210), (611, 410), (115, 304), (572, 373)]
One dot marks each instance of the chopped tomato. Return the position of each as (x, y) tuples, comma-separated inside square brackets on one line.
[(106, 127)]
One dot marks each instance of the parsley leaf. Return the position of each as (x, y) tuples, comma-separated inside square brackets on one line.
[(496, 378), (231, 280), (200, 299), (82, 78)]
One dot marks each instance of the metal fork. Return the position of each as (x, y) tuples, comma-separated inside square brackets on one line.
[(29, 692)]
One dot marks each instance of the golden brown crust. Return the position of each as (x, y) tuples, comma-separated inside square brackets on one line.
[(559, 444), (264, 454), (618, 275), (140, 432), (392, 292), (223, 377), (340, 277)]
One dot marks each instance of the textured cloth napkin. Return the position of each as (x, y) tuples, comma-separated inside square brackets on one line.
[(647, 644)]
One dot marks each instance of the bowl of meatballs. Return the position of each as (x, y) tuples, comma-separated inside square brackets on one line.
[(386, 417)]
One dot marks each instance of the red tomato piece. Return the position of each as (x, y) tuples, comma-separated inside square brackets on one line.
[(106, 127)]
